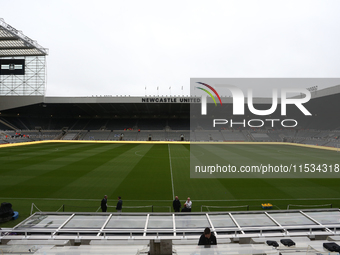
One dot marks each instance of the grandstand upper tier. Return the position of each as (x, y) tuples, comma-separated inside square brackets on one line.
[(14, 43), (22, 65)]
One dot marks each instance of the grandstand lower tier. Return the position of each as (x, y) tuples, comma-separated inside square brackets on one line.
[(309, 137), (175, 233)]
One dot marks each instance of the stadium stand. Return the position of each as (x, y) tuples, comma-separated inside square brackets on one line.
[(178, 124), (108, 118), (70, 136), (96, 135), (208, 135), (131, 136), (101, 129), (260, 137), (234, 135), (177, 135), (120, 124), (156, 135)]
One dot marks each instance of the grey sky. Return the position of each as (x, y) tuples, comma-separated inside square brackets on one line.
[(121, 47)]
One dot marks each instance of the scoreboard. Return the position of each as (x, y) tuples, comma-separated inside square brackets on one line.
[(12, 66)]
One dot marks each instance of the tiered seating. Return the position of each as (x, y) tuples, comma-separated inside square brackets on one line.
[(179, 124), (97, 135), (230, 135), (307, 133), (13, 122), (176, 135), (261, 137), (143, 136), (17, 140), (202, 135), (334, 143), (119, 124), (80, 124), (157, 135), (95, 124), (3, 126), (70, 124), (70, 136), (158, 129), (310, 141), (328, 134), (130, 136), (151, 124), (42, 135)]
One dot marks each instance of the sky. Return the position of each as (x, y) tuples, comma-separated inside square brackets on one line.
[(147, 47)]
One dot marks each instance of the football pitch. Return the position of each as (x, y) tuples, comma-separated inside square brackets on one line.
[(76, 176)]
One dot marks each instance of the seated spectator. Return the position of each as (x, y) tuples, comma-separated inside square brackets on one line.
[(207, 238)]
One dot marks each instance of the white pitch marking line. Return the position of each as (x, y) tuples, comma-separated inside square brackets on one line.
[(172, 179)]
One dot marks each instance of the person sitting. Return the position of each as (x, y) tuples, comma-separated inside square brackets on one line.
[(207, 238)]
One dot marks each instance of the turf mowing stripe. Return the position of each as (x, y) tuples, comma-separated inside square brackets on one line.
[(23, 168), (50, 178), (150, 178), (41, 155), (172, 179), (142, 173), (105, 178)]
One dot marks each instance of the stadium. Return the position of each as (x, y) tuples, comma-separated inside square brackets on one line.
[(60, 155)]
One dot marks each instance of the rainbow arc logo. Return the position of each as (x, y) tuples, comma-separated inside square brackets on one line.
[(209, 93)]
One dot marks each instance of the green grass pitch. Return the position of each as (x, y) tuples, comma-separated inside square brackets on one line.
[(78, 175)]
